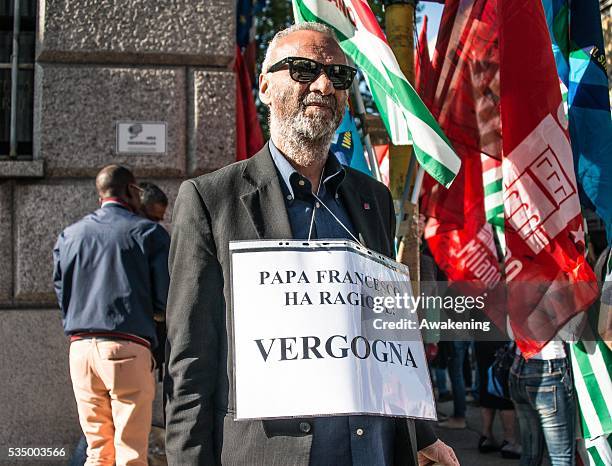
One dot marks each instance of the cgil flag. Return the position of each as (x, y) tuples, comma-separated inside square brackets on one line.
[(402, 111), (458, 234), (499, 116), (545, 239), (465, 100), (465, 79), (424, 74)]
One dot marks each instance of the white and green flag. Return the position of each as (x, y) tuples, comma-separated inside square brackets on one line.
[(403, 112), (596, 452), (493, 190), (592, 371)]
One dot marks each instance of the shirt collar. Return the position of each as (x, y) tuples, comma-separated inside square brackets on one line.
[(332, 177), (109, 201), (283, 166)]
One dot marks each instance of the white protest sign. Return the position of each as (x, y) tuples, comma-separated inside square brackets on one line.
[(307, 339)]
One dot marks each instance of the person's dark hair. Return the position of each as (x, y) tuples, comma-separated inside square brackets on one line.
[(152, 194), (113, 181)]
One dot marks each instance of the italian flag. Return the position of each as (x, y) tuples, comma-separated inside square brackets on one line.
[(402, 111)]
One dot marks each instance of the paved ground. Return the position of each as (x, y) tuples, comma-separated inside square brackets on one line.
[(465, 441)]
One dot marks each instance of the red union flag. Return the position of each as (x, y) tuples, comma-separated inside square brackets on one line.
[(466, 252), (464, 96), (549, 281), (423, 70), (465, 89)]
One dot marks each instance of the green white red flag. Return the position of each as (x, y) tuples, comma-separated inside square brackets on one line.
[(402, 111)]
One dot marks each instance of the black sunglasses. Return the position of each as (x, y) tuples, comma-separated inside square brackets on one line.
[(304, 70)]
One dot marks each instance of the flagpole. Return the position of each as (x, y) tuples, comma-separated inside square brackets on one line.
[(404, 198), (418, 182), (361, 113), (399, 28)]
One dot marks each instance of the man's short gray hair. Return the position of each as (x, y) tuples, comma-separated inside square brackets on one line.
[(309, 26)]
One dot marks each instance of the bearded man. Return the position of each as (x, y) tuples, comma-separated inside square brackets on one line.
[(304, 83)]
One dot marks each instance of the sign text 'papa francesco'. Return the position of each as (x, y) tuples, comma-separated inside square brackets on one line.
[(305, 343)]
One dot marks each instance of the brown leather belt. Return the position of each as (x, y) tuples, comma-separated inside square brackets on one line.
[(110, 336)]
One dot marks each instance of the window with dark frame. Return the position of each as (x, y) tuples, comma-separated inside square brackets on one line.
[(16, 137)]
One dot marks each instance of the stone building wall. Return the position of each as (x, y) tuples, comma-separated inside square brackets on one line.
[(98, 62)]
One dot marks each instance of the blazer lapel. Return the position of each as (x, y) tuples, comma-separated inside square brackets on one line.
[(362, 210), (264, 203)]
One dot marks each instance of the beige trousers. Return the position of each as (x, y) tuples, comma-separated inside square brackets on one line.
[(114, 387)]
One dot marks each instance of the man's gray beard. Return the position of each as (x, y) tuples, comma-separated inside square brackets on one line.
[(306, 140)]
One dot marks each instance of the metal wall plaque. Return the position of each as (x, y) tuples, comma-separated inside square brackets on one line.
[(140, 137)]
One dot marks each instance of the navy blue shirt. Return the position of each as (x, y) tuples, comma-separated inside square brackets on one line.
[(300, 202), (111, 273), (339, 440)]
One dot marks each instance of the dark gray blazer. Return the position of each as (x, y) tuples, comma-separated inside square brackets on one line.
[(242, 201)]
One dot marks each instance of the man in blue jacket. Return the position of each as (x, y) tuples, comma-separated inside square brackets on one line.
[(111, 280)]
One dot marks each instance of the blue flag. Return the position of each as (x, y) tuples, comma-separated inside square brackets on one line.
[(575, 31), (246, 10), (347, 146)]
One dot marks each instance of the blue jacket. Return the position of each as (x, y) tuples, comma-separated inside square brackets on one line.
[(111, 273)]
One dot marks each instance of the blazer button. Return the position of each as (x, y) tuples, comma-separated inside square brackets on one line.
[(305, 427)]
